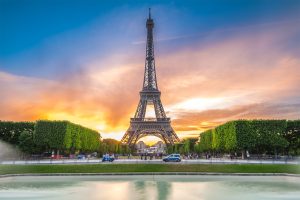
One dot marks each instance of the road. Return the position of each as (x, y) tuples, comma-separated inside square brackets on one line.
[(155, 161)]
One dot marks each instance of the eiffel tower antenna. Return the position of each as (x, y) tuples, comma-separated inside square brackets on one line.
[(160, 125)]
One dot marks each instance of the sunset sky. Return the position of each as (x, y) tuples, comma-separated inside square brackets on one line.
[(83, 61)]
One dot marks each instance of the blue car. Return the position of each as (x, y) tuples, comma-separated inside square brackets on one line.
[(81, 157), (172, 158), (107, 159)]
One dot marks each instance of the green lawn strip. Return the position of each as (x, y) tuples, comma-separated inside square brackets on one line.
[(124, 168)]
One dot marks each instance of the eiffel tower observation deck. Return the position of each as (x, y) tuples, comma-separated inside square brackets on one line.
[(140, 124)]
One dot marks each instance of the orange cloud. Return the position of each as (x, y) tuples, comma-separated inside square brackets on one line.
[(202, 86)]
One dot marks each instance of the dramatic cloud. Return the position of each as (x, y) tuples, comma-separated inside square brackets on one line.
[(246, 75)]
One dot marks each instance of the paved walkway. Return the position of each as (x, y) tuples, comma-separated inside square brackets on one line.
[(155, 161)]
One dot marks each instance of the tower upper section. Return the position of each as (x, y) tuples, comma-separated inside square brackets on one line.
[(150, 83)]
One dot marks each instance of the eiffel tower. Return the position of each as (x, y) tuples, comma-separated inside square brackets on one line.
[(160, 125)]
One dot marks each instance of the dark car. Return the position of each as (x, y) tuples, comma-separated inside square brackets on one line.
[(80, 157), (172, 158), (107, 158)]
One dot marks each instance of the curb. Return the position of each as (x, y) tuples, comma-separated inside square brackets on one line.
[(150, 174)]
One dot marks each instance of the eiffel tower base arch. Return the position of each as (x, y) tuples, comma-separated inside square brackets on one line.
[(139, 129)]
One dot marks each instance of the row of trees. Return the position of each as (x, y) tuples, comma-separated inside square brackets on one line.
[(44, 135), (113, 146), (60, 136), (65, 136), (256, 136), (186, 146)]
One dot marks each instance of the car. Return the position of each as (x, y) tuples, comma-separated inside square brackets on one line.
[(172, 158), (80, 157), (108, 158)]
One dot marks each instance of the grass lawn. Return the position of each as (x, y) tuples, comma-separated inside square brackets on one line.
[(123, 168)]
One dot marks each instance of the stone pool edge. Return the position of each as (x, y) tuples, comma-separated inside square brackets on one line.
[(150, 174)]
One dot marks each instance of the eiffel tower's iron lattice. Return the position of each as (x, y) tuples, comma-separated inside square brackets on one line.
[(141, 126)]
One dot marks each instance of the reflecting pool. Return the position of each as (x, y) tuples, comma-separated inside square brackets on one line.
[(150, 187)]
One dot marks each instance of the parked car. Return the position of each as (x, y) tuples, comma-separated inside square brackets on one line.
[(81, 157), (172, 158), (108, 158), (47, 155)]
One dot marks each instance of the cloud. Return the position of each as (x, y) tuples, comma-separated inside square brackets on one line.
[(244, 76), (207, 119)]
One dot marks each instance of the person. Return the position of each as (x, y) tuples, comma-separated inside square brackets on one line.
[(247, 154)]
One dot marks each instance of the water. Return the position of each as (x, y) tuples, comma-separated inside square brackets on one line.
[(8, 151), (151, 187)]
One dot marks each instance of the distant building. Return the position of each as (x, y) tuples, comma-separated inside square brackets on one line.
[(160, 147), (141, 147)]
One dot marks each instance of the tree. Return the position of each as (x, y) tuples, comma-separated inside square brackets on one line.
[(26, 143), (186, 146), (111, 145), (10, 131), (245, 135), (269, 135), (292, 135), (205, 143)]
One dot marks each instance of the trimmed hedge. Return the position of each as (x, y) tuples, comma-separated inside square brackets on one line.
[(253, 135), (64, 135)]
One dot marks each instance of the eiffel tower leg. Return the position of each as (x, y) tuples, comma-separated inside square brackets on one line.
[(159, 110), (141, 109), (164, 139), (133, 137), (126, 136), (174, 136)]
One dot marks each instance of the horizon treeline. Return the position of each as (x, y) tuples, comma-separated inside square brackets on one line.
[(234, 137)]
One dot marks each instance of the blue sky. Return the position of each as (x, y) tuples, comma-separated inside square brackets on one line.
[(216, 60), (78, 27)]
